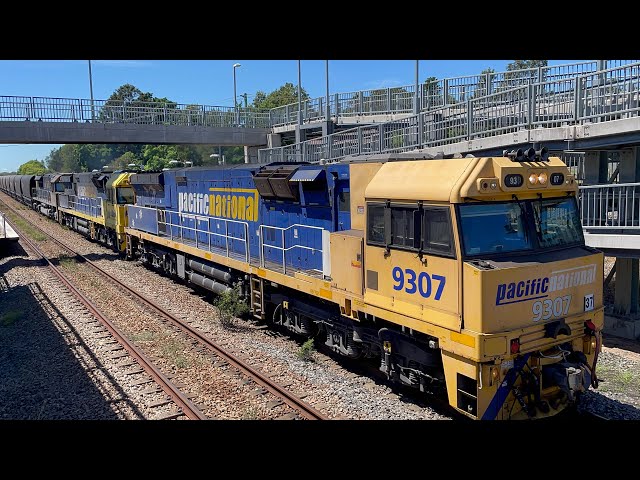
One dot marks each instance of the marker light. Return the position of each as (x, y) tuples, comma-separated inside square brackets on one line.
[(494, 374), (594, 344), (533, 179), (494, 185), (515, 346), (542, 178)]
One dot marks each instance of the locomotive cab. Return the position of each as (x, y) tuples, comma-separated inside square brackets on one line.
[(491, 250)]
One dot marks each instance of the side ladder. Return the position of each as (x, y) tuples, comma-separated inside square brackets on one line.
[(257, 297)]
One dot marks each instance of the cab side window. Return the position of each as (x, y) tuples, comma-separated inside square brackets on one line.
[(423, 229)]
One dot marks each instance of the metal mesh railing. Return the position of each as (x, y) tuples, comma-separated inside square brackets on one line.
[(142, 113), (594, 97), (610, 206), (439, 93)]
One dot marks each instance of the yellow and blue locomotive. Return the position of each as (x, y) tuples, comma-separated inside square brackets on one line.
[(91, 203), (468, 277)]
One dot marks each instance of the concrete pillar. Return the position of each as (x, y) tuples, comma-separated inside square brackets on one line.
[(628, 165), (595, 167), (250, 154), (274, 140), (626, 296), (301, 134), (327, 128)]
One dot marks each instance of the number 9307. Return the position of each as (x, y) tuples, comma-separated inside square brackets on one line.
[(551, 307), (421, 283)]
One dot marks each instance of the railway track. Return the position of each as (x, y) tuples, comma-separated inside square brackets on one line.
[(185, 406), (294, 402)]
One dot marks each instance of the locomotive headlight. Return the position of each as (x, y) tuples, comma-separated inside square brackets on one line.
[(533, 179), (494, 185), (542, 178)]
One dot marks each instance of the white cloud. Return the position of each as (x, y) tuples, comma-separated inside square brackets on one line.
[(386, 83)]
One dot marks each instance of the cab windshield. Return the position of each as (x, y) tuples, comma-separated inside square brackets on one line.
[(519, 226), (557, 222), (124, 195)]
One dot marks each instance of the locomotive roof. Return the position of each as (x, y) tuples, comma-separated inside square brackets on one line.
[(456, 179)]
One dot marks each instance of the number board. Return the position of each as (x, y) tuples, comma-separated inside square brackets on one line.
[(513, 180), (557, 179)]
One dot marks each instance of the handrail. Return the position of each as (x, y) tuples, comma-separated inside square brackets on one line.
[(394, 100), (602, 95), (198, 218), (284, 248)]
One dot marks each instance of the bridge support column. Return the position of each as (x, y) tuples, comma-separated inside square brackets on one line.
[(626, 296), (327, 128), (250, 154), (274, 140), (596, 165), (301, 134), (625, 321), (630, 165)]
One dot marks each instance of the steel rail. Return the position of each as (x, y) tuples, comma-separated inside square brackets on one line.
[(188, 408), (289, 398)]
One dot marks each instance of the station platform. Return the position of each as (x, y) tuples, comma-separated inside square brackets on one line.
[(7, 234)]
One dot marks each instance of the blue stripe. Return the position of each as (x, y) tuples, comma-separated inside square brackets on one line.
[(505, 387), (523, 300)]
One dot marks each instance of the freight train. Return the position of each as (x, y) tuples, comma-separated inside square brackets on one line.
[(92, 203), (467, 278)]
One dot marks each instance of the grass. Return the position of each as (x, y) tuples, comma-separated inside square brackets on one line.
[(173, 350), (306, 351), (618, 381), (145, 336), (230, 305), (24, 227), (67, 262), (10, 317), (626, 377)]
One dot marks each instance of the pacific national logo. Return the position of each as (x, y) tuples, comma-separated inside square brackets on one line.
[(231, 203), (535, 288)]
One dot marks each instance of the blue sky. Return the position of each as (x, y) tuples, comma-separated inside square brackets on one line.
[(208, 82)]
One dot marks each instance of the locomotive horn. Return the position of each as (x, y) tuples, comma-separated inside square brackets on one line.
[(519, 155), (543, 154), (515, 155), (530, 154)]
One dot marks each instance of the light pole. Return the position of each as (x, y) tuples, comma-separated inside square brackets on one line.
[(91, 92), (299, 96), (326, 72), (416, 107), (235, 104)]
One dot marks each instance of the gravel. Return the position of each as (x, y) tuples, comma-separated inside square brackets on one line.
[(52, 363)]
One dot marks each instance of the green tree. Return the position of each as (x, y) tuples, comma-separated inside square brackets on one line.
[(123, 160), (128, 102), (286, 94), (433, 92), (522, 64), (482, 87), (53, 161), (32, 167), (515, 76)]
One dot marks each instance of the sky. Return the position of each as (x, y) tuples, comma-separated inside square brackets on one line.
[(209, 82)]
